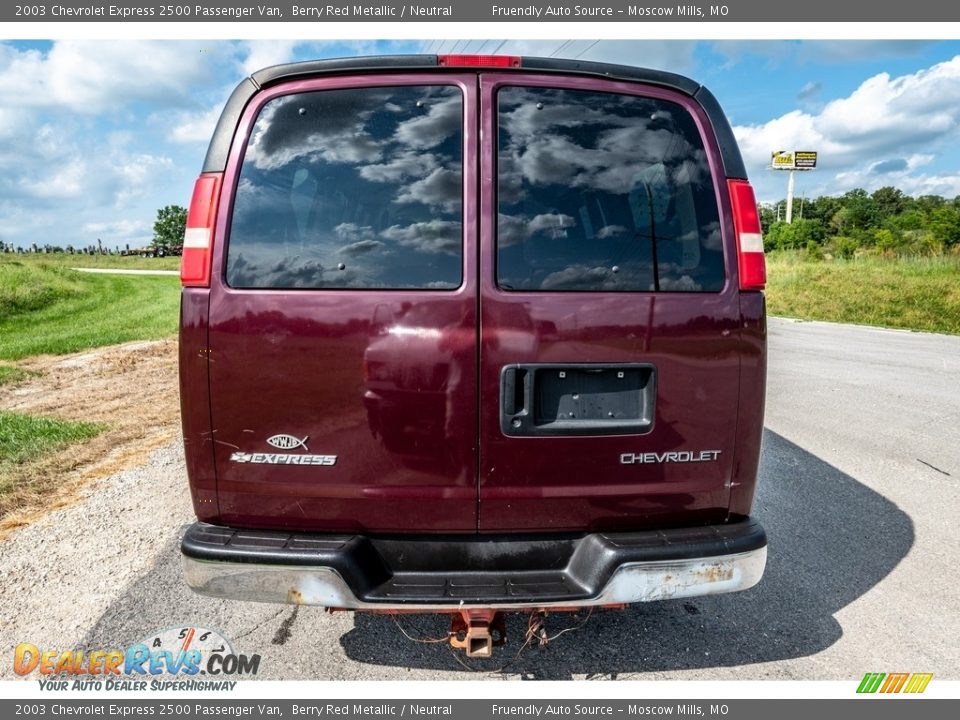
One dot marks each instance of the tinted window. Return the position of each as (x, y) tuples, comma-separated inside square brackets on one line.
[(357, 188), (608, 192)]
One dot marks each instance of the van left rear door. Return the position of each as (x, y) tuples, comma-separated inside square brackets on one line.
[(343, 312)]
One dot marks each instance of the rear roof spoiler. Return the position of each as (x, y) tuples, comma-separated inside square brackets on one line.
[(219, 148)]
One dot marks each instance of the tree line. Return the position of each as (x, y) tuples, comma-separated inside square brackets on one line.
[(168, 232), (885, 222)]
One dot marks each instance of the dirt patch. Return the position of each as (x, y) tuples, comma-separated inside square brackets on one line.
[(131, 387)]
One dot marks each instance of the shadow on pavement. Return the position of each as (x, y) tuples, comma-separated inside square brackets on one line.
[(831, 539)]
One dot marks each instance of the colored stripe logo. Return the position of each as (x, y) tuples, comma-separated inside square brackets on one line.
[(913, 683)]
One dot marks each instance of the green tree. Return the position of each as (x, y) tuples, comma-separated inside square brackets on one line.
[(170, 226), (888, 201), (860, 207), (944, 223), (821, 208), (799, 234)]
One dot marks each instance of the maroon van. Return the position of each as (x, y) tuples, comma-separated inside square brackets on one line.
[(467, 334)]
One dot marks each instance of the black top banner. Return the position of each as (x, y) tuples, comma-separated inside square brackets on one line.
[(474, 11)]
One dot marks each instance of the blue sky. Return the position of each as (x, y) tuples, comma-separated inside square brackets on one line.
[(96, 135)]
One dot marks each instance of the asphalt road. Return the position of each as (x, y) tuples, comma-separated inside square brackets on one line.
[(858, 493), (125, 271)]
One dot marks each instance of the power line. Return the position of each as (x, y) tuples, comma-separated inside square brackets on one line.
[(588, 49)]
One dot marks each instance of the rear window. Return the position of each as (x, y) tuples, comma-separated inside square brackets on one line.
[(353, 188), (603, 192)]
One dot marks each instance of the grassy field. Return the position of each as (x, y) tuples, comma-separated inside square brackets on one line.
[(48, 308), (912, 293), (10, 374), (96, 261), (24, 438)]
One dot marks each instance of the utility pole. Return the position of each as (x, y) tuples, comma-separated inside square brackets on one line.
[(790, 198)]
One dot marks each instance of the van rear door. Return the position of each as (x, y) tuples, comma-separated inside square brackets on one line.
[(343, 322), (609, 351)]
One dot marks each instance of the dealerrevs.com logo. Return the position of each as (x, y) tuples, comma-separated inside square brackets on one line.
[(183, 658)]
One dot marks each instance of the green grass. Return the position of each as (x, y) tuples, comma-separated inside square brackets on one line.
[(48, 308), (921, 293), (25, 438), (96, 261), (10, 374)]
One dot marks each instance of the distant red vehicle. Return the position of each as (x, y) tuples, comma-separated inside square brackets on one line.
[(468, 335)]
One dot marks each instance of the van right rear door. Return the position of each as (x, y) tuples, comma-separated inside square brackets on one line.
[(609, 358)]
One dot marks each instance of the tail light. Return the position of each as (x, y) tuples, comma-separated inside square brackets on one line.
[(746, 222), (478, 60), (198, 239)]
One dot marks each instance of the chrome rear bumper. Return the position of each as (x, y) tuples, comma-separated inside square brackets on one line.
[(454, 573)]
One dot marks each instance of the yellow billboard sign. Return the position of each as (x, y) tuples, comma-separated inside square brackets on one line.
[(793, 159)]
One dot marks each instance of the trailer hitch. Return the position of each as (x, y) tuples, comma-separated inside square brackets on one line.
[(477, 632)]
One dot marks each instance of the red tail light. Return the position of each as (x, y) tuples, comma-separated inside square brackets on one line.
[(478, 60), (198, 239), (746, 221)]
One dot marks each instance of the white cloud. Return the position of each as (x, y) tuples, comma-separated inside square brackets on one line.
[(122, 229), (196, 126), (264, 53), (902, 173), (64, 182), (886, 118), (90, 76)]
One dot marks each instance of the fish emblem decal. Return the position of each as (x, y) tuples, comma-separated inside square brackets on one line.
[(284, 442), (288, 442)]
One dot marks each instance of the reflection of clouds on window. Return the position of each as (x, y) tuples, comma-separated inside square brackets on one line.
[(633, 173), (357, 187), (351, 232), (440, 189), (552, 224), (684, 283), (710, 236), (513, 229), (291, 271), (328, 125), (442, 121), (610, 230), (610, 165), (532, 112), (583, 278), (361, 247), (578, 277), (441, 285), (509, 180), (435, 236), (400, 167), (693, 171)]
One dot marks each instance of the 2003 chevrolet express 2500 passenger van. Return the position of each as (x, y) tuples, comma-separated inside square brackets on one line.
[(472, 334)]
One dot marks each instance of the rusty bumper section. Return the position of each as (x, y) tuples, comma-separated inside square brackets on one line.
[(439, 574)]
